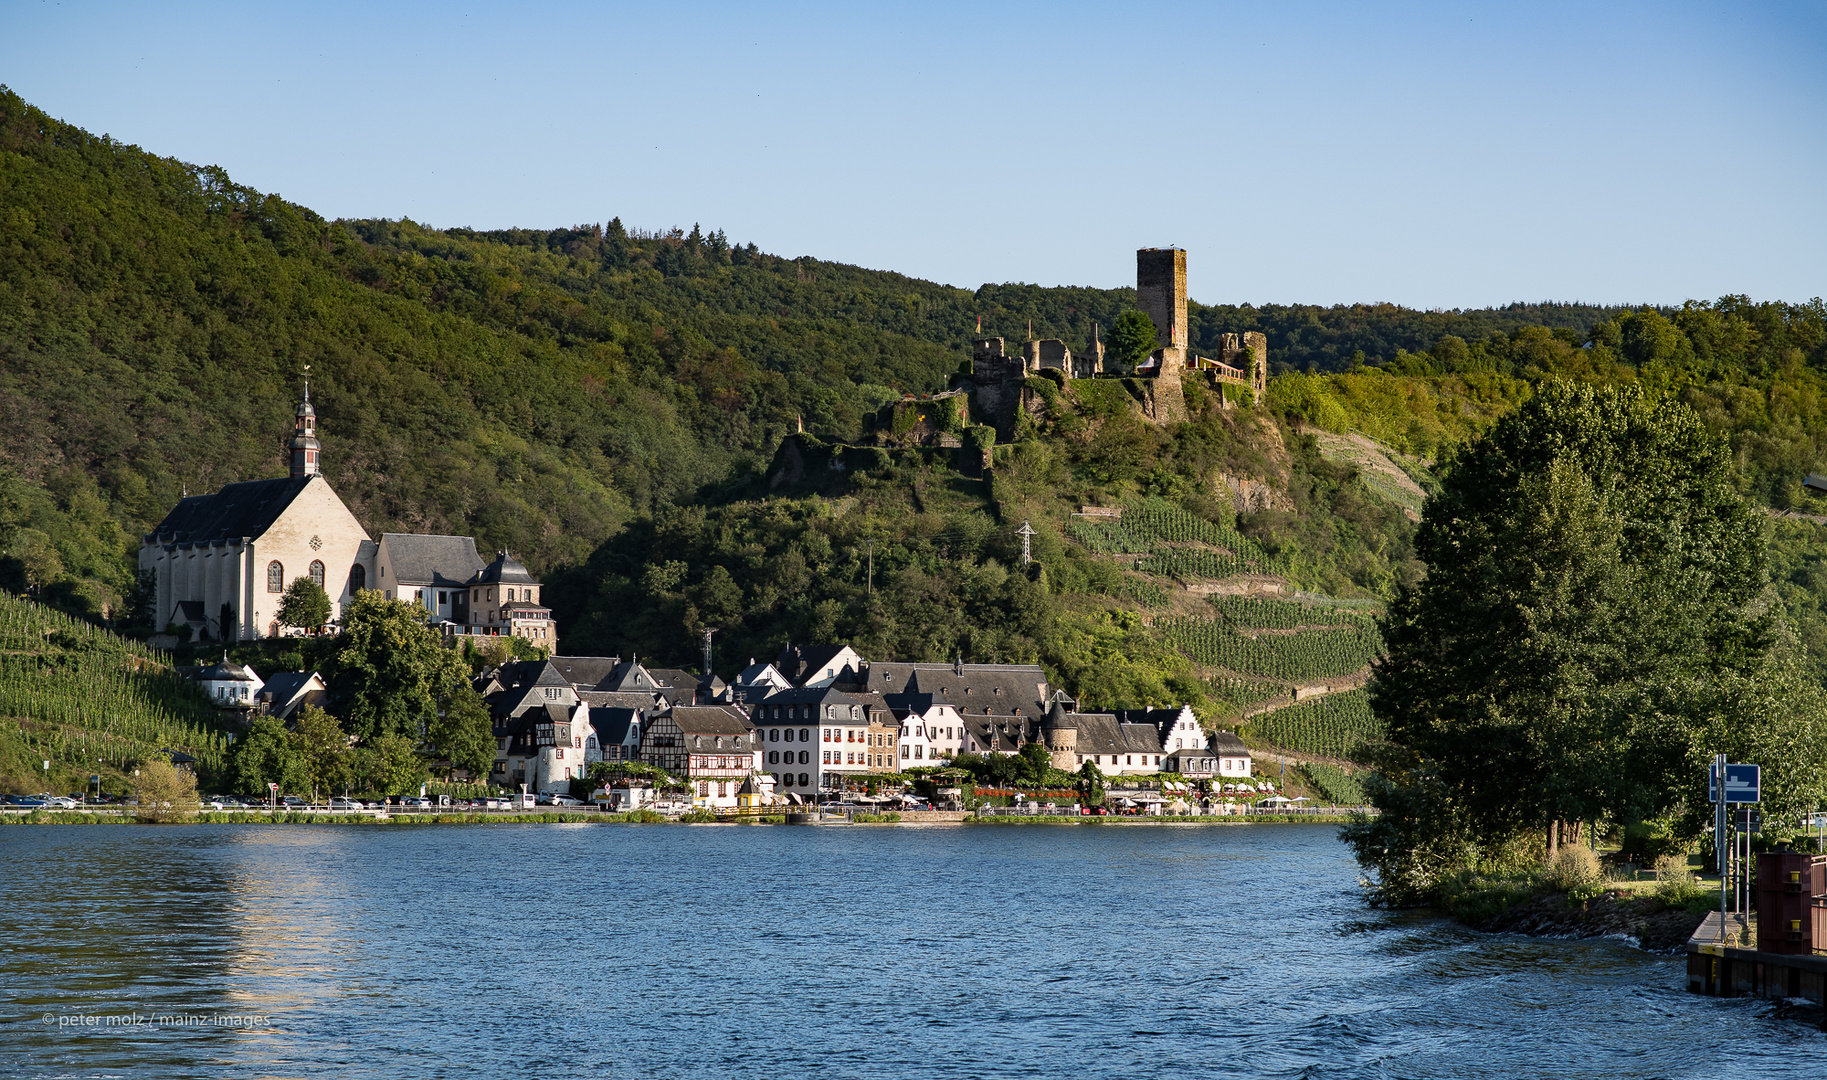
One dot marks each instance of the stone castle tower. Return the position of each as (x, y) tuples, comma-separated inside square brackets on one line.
[(1161, 294)]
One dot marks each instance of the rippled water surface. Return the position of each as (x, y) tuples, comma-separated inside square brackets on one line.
[(664, 951)]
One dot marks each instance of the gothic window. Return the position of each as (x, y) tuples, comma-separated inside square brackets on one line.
[(317, 573), (358, 578), (275, 577)]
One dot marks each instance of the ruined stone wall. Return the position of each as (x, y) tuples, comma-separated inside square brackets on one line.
[(996, 385), (1048, 354)]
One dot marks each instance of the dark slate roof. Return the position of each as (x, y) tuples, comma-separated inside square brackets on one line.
[(1004, 732), (584, 672), (642, 700), (801, 662), (283, 686), (710, 720), (519, 673), (505, 570), (821, 695), (1102, 733), (627, 676), (1228, 744), (970, 688), (447, 562), (612, 724), (245, 509), (1163, 720), (224, 672), (902, 704)]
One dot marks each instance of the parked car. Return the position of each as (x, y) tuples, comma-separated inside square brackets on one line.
[(415, 803), (347, 804), (565, 800), (293, 802), (61, 802), (28, 802)]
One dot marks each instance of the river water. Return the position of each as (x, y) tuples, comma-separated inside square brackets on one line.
[(849, 951)]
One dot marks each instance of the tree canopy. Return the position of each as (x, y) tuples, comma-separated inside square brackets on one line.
[(1593, 626), (1132, 339), (391, 669), (305, 605)]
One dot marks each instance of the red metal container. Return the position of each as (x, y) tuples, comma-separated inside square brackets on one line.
[(1788, 919)]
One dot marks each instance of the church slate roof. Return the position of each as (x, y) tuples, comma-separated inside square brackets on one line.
[(245, 509), (448, 562)]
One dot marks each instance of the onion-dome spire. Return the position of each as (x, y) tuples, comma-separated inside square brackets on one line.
[(305, 447)]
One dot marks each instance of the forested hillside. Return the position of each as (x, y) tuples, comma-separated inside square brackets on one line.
[(606, 401)]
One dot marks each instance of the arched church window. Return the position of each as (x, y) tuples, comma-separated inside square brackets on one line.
[(275, 577), (317, 573), (358, 578)]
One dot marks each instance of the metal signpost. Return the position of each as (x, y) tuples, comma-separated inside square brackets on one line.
[(1742, 785)]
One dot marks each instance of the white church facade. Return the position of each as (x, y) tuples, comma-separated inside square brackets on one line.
[(223, 561)]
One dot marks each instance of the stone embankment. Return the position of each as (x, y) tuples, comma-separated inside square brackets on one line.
[(1653, 925)]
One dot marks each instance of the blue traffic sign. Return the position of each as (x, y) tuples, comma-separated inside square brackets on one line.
[(1743, 783)]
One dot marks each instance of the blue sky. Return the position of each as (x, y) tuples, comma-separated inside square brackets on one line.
[(1434, 155)]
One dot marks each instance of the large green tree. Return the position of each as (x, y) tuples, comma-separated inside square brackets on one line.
[(392, 669), (464, 732), (305, 605), (1132, 339), (323, 750), (265, 754), (1593, 626)]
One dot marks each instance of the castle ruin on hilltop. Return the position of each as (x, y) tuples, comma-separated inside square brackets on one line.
[(998, 379)]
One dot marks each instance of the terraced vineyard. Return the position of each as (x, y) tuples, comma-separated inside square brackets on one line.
[(73, 693), (1335, 783), (1150, 528), (1336, 725), (1309, 654)]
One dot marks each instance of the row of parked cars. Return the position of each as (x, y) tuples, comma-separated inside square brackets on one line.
[(48, 801)]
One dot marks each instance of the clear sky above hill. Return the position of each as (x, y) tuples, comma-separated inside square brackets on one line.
[(1435, 155)]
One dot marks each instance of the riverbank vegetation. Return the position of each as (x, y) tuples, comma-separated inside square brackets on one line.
[(1595, 624)]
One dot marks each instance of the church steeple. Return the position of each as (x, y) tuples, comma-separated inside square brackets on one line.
[(305, 448)]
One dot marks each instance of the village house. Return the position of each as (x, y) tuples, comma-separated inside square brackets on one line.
[(286, 692), (618, 734), (543, 749), (1234, 758), (232, 688), (982, 689), (928, 730), (816, 738), (433, 572), (757, 681), (713, 748)]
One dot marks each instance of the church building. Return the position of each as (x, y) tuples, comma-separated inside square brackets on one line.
[(223, 561)]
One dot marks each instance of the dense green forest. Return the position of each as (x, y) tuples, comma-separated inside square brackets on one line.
[(606, 402)]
